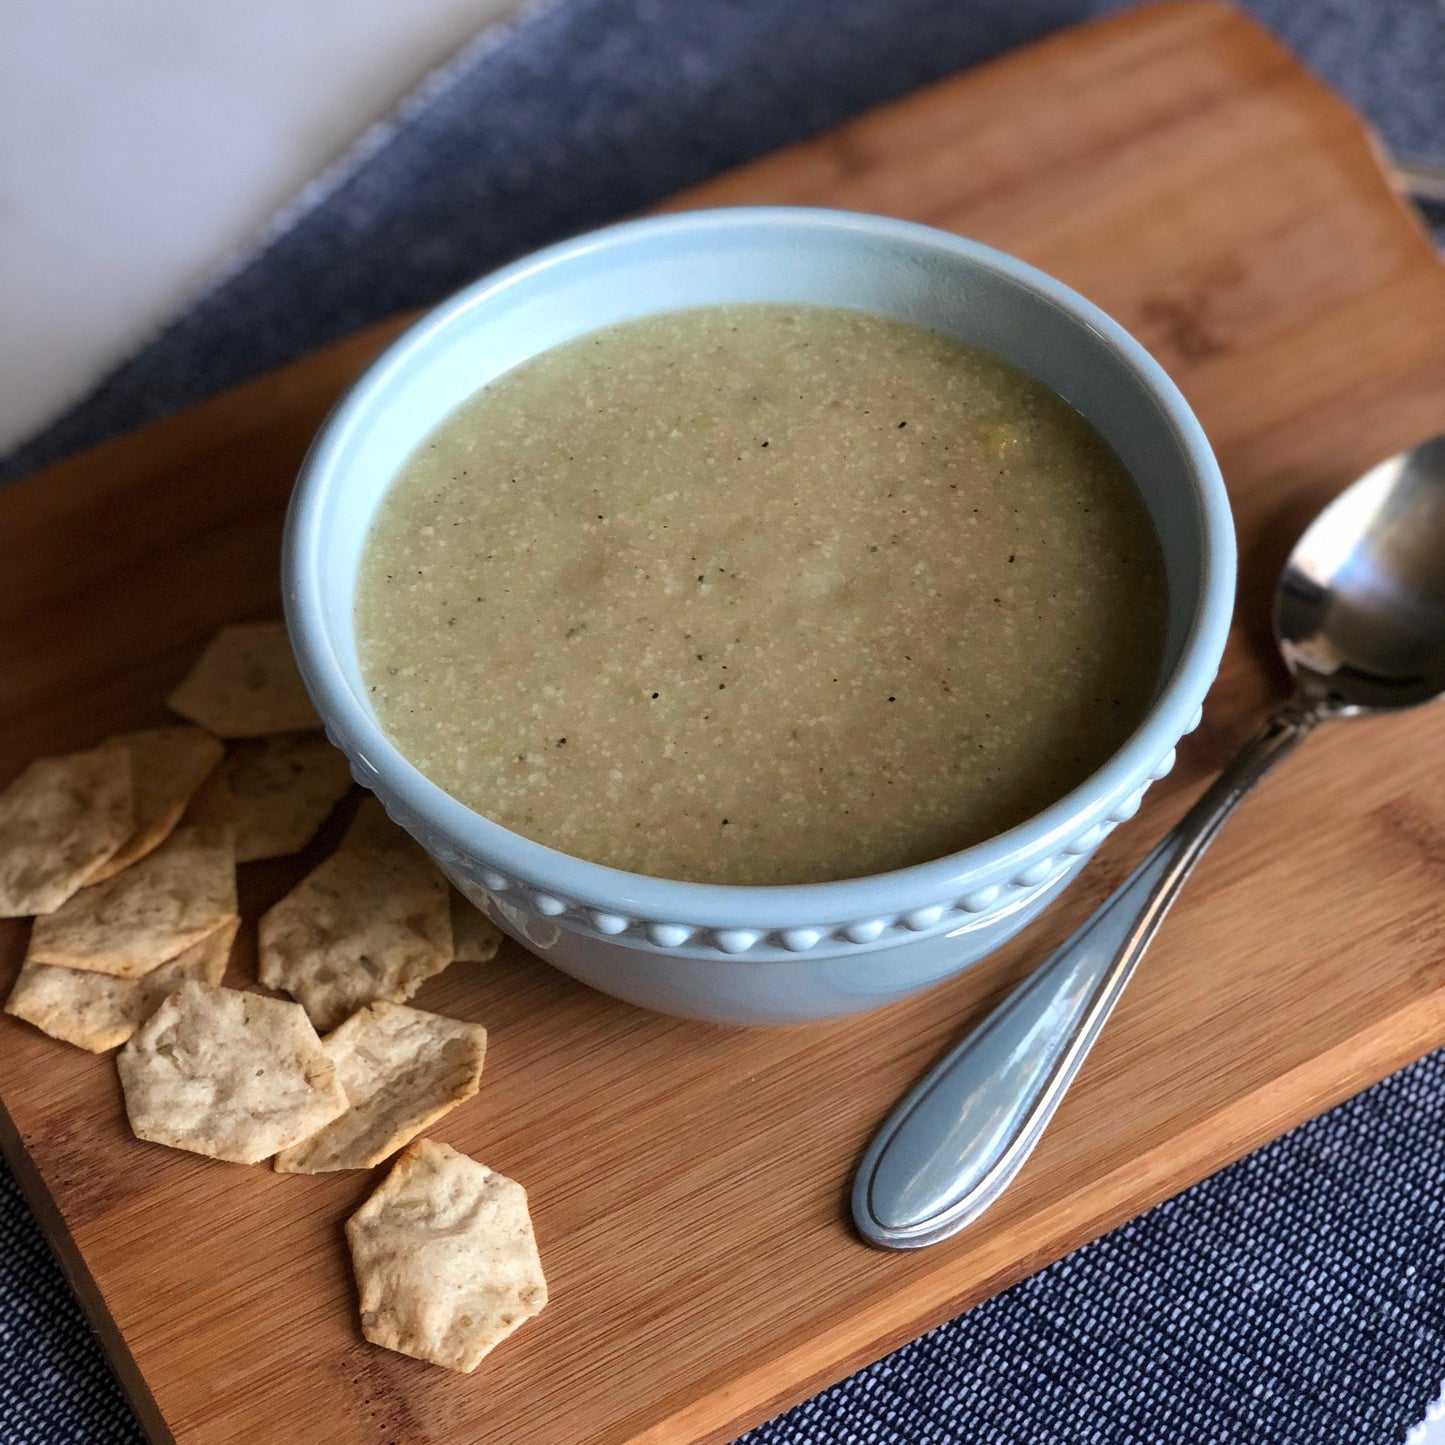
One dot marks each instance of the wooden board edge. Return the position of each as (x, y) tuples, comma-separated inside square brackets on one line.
[(898, 1317), (77, 1274)]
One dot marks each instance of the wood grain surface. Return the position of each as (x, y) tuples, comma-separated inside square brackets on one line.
[(689, 1181)]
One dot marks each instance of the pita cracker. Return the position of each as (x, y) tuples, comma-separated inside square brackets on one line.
[(475, 938), (285, 788), (245, 685), (371, 922), (158, 907), (167, 765), (445, 1259), (402, 1069), (59, 820), (97, 1012), (228, 1074)]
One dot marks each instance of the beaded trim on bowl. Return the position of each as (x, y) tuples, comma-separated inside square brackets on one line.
[(519, 900)]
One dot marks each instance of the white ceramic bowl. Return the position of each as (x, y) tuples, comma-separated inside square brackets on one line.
[(773, 954)]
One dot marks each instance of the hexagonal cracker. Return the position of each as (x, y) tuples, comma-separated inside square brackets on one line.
[(445, 1258), (229, 1074), (245, 685)]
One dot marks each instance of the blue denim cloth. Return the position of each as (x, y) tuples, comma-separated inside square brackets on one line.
[(1298, 1296)]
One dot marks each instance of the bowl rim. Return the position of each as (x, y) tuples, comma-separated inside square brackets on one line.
[(770, 906)]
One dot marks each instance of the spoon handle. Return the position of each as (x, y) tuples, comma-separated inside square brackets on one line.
[(955, 1142)]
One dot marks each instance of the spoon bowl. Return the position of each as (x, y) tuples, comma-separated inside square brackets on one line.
[(1360, 609)]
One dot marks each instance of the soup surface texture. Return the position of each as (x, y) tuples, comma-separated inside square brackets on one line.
[(761, 594)]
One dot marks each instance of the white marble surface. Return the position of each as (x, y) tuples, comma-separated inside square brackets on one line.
[(144, 142)]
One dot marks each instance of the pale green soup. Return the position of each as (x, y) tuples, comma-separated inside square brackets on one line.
[(761, 594)]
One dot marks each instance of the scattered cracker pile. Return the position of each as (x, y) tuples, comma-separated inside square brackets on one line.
[(125, 856)]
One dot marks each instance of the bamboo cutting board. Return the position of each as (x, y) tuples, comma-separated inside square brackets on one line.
[(689, 1181)]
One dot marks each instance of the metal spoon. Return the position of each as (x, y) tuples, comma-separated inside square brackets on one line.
[(1360, 621)]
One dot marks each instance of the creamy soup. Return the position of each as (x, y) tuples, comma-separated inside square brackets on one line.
[(761, 594)]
